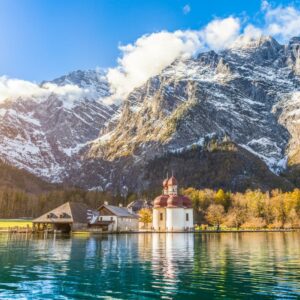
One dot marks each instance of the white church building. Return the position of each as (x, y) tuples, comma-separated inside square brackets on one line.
[(172, 212)]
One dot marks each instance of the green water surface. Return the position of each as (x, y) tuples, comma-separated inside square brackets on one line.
[(151, 266)]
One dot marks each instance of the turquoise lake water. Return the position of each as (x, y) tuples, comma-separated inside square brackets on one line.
[(151, 266)]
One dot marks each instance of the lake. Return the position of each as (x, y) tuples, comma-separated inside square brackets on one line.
[(148, 266)]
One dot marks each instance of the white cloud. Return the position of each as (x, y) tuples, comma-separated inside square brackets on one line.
[(150, 54), (251, 31), (147, 57), (265, 5), (282, 22), (220, 33), (186, 9), (13, 88)]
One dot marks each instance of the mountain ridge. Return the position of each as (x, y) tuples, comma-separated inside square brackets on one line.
[(248, 93)]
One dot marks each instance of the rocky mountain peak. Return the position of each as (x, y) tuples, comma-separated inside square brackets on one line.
[(209, 58), (223, 67), (248, 92), (247, 42), (294, 41), (44, 132), (293, 54), (262, 51), (81, 78), (94, 82)]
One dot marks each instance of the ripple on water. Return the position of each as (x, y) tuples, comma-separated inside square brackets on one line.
[(145, 266)]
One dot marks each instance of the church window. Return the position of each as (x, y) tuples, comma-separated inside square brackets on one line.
[(161, 216), (187, 217)]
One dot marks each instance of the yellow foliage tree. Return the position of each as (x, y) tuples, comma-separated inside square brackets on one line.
[(215, 215), (145, 215)]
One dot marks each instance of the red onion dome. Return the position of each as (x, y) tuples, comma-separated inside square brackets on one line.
[(160, 201), (187, 202), (172, 181), (165, 183), (175, 201)]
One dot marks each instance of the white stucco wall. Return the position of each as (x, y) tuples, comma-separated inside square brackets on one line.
[(190, 223), (127, 224), (175, 219), (159, 224), (121, 223)]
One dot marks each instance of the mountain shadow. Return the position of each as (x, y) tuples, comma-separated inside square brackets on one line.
[(227, 166)]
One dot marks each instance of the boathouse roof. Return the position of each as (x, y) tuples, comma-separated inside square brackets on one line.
[(70, 212)]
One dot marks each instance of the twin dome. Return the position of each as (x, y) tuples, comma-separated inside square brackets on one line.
[(170, 197), (169, 182)]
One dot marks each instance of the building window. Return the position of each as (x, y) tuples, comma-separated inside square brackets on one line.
[(111, 218), (161, 216), (187, 217)]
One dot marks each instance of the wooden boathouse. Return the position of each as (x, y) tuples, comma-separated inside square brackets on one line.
[(65, 218)]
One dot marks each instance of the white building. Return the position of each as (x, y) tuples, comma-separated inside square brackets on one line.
[(172, 212), (117, 219)]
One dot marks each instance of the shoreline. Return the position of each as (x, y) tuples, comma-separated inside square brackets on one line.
[(78, 233)]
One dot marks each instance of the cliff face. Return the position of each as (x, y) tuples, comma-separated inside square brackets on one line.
[(247, 95), (43, 133), (244, 93)]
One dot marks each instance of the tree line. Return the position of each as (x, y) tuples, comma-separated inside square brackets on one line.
[(16, 203), (251, 209), (248, 210)]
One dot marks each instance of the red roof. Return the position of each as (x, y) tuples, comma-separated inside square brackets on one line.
[(161, 201), (187, 202), (175, 201), (172, 181), (172, 201)]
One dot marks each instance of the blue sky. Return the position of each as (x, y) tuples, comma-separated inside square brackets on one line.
[(44, 39)]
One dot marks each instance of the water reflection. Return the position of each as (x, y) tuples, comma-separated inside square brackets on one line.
[(147, 266)]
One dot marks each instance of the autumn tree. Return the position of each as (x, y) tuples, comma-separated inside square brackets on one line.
[(268, 210), (281, 207), (145, 215), (222, 198), (215, 215)]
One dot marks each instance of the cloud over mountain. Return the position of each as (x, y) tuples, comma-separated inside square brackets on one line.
[(151, 53), (13, 88), (281, 22), (147, 57)]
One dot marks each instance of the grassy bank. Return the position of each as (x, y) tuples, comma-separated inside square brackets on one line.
[(11, 223), (243, 229)]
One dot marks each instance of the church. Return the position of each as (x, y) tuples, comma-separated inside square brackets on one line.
[(172, 212)]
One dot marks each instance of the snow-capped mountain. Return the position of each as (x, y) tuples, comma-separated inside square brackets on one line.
[(249, 93), (42, 133), (247, 96)]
